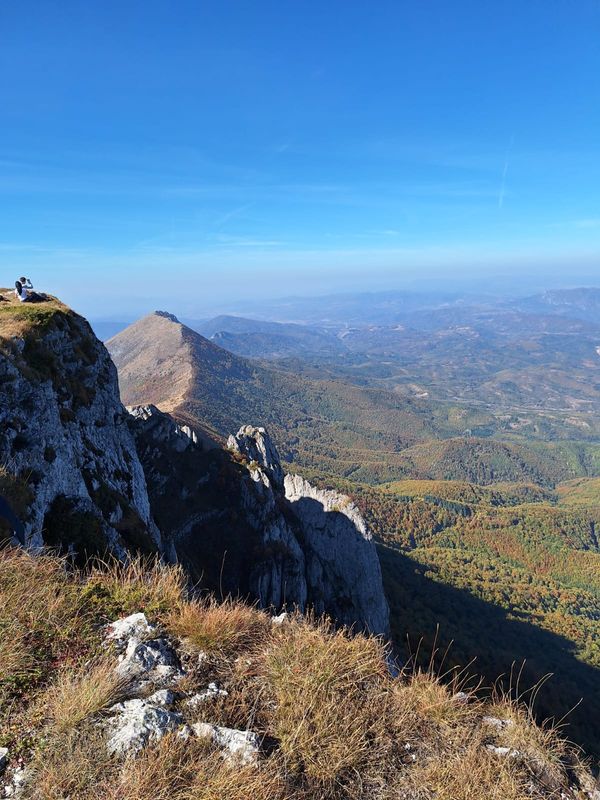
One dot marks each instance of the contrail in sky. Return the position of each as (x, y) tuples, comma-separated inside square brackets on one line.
[(505, 173)]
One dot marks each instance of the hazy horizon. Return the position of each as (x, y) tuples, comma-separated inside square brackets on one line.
[(274, 307)]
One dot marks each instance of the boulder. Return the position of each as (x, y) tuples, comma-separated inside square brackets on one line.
[(137, 723), (153, 661)]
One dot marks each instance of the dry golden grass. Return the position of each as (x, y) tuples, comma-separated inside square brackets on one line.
[(115, 589), (472, 774), (424, 695), (41, 614), (77, 695), (72, 766), (331, 704), (219, 629), (163, 771), (175, 769), (542, 752), (338, 726), (19, 319)]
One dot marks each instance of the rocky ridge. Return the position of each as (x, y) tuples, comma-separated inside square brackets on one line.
[(267, 535)]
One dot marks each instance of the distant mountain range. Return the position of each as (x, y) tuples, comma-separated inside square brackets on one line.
[(272, 340), (371, 414)]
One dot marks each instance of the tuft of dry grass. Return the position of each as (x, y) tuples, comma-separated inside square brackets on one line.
[(424, 700), (77, 695), (473, 774), (175, 769), (331, 704), (163, 771), (114, 589), (219, 629), (543, 753), (42, 618)]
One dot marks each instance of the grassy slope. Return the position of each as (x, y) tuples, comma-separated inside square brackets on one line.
[(336, 725)]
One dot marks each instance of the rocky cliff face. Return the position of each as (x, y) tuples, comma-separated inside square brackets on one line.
[(69, 461), (327, 561)]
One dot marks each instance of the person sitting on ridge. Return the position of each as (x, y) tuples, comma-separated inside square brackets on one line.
[(22, 288), (24, 291)]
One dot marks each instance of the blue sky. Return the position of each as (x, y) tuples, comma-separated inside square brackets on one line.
[(215, 151)]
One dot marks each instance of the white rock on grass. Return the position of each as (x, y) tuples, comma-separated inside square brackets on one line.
[(19, 779), (240, 746), (135, 626), (503, 751), (462, 698), (210, 693), (164, 697), (137, 723)]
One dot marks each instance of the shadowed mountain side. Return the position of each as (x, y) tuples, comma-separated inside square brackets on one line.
[(418, 605), (240, 527)]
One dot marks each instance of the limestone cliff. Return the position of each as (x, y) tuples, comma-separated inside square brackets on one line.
[(69, 463), (331, 564)]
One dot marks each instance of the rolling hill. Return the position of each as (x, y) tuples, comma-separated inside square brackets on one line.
[(163, 362)]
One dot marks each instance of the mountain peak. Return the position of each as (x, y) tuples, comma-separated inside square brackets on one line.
[(167, 315)]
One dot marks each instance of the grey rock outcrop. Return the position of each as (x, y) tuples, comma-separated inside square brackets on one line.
[(242, 747), (137, 723), (256, 445), (321, 554), (164, 428), (65, 440)]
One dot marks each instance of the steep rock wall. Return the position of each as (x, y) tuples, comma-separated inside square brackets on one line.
[(65, 447), (332, 564)]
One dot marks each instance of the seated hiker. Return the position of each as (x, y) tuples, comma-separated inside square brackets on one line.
[(22, 288), (24, 291)]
